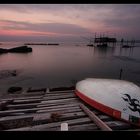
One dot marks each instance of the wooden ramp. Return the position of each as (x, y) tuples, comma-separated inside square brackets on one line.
[(46, 111)]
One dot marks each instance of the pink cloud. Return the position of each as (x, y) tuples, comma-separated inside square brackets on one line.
[(25, 33)]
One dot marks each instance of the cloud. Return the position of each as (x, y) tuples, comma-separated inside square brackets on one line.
[(71, 19), (57, 28)]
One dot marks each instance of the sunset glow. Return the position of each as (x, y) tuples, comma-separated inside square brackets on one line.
[(70, 20)]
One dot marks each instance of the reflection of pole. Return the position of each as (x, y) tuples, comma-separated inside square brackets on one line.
[(121, 70)]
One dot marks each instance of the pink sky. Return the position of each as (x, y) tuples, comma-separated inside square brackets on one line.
[(71, 21)]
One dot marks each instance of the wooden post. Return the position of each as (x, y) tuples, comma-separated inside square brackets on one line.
[(121, 70), (64, 126), (95, 119)]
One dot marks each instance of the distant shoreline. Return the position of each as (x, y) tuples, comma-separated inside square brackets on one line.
[(41, 44)]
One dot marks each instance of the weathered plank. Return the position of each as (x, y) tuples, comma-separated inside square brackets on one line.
[(95, 119), (71, 109), (36, 90), (40, 104), (58, 116), (4, 104), (9, 112), (58, 103), (59, 94), (59, 97), (22, 98), (26, 101), (32, 110), (60, 110), (22, 106), (58, 106), (66, 91), (84, 127), (28, 94), (47, 127), (15, 122), (58, 100)]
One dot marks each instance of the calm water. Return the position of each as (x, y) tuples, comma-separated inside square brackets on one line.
[(51, 66)]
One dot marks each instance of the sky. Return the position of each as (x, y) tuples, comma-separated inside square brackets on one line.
[(68, 22)]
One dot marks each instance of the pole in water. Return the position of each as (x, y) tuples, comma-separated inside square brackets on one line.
[(121, 70)]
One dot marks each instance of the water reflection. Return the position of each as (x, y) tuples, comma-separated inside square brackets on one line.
[(52, 66), (103, 51), (126, 51)]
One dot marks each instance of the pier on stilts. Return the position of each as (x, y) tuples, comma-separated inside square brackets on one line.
[(47, 110)]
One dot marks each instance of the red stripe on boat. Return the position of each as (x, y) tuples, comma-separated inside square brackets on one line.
[(99, 106)]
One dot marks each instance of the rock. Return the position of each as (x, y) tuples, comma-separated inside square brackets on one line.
[(3, 50), (21, 49), (13, 90)]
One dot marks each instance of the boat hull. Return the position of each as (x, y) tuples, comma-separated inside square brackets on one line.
[(117, 98)]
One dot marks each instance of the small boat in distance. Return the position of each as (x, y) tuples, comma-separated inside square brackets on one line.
[(117, 98)]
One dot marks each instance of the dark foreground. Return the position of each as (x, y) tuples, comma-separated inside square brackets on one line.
[(45, 110)]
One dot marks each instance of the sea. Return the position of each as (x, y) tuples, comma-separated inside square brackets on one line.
[(67, 63)]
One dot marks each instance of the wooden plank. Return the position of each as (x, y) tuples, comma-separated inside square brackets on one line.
[(15, 122), (66, 91), (63, 110), (45, 127), (84, 127), (50, 97), (27, 101), (58, 103), (32, 110), (36, 90), (4, 104), (56, 116), (38, 100), (58, 100), (22, 106), (32, 105), (58, 106), (22, 98), (95, 119), (59, 97), (33, 94), (59, 94)]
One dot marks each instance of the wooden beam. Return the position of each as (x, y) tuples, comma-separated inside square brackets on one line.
[(48, 126), (95, 119)]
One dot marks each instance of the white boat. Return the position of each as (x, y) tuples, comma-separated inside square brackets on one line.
[(117, 98)]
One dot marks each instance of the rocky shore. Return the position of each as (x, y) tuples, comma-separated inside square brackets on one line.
[(21, 49)]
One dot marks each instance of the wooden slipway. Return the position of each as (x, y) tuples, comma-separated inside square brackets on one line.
[(48, 111)]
